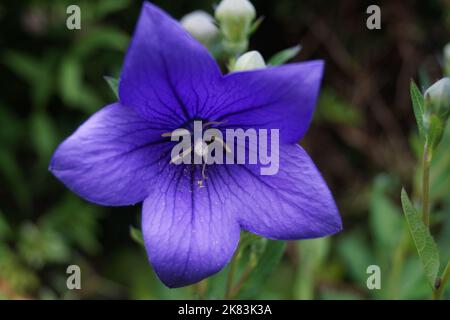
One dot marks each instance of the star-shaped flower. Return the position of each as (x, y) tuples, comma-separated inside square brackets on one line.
[(121, 156)]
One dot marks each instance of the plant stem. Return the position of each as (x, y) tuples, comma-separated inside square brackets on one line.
[(426, 185), (439, 291), (235, 290)]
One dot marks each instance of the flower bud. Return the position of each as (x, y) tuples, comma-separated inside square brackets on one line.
[(201, 26), (235, 17), (447, 59), (436, 111), (249, 61), (437, 99)]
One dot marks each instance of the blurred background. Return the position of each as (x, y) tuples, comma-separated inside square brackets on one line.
[(363, 139)]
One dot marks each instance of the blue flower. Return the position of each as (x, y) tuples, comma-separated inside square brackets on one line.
[(120, 156)]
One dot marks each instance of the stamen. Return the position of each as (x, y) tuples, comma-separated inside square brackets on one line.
[(210, 123), (182, 155), (227, 148), (176, 133), (203, 171)]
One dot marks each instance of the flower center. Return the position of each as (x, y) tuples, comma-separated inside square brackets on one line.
[(200, 146)]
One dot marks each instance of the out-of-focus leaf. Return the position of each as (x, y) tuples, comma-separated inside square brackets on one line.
[(11, 128), (38, 246), (70, 79), (77, 222), (417, 103), (284, 56), (16, 277), (25, 66), (106, 7), (440, 172), (38, 74), (142, 283), (385, 219), (333, 109), (113, 84), (43, 134), (136, 235), (443, 239), (100, 38), (266, 264), (312, 254), (339, 295), (412, 284), (254, 27), (5, 228), (425, 245), (73, 91), (356, 256), (10, 171)]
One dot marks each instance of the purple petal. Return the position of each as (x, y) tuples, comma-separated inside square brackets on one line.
[(111, 159), (278, 98), (190, 232), (167, 74), (295, 203)]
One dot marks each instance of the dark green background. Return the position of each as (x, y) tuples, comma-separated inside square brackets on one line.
[(363, 139)]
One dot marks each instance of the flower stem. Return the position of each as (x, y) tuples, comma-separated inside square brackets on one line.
[(442, 281), (426, 185)]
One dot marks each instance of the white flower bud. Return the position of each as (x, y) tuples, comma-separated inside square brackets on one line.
[(249, 61), (437, 99), (235, 17), (201, 26)]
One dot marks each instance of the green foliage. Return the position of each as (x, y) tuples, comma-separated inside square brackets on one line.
[(312, 255), (425, 244), (51, 81), (114, 85), (418, 107), (136, 235), (385, 219), (284, 56), (332, 108), (264, 259), (435, 132)]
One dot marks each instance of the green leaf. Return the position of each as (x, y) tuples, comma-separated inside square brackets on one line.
[(38, 73), (43, 134), (284, 56), (331, 108), (418, 106), (100, 38), (435, 132), (256, 25), (104, 8), (312, 255), (76, 221), (73, 90), (136, 235), (354, 253), (425, 244), (15, 180), (385, 217), (273, 251), (113, 84), (5, 228)]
